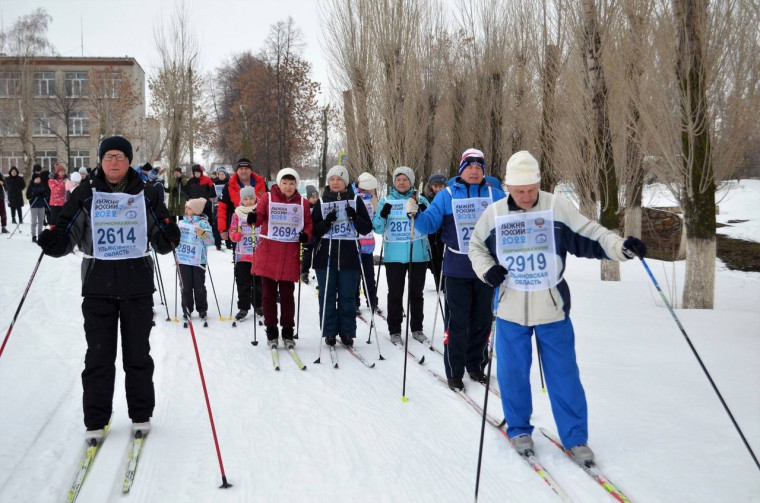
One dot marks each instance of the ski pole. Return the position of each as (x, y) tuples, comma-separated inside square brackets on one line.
[(366, 296), (208, 267), (488, 385), (225, 484), (438, 305), (323, 292), (298, 309), (162, 287), (158, 280), (21, 303), (408, 313), (232, 295), (176, 279), (255, 340), (20, 220), (540, 366), (704, 369)]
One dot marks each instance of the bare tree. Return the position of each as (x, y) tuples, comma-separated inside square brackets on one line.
[(111, 97)]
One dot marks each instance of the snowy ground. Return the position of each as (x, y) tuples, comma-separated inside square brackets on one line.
[(656, 425)]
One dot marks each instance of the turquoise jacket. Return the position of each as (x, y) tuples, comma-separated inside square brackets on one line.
[(398, 251)]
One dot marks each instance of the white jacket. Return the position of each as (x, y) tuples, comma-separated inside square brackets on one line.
[(573, 233)]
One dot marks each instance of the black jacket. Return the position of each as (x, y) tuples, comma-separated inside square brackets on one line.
[(14, 186), (120, 279), (344, 254)]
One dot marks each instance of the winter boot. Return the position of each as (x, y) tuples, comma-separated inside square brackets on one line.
[(144, 427), (272, 335), (478, 376), (582, 454), (330, 340), (358, 310), (241, 314), (347, 341), (396, 339), (305, 278), (287, 337), (259, 311), (202, 314), (96, 434), (419, 336), (455, 383), (522, 443), (34, 239), (5, 231)]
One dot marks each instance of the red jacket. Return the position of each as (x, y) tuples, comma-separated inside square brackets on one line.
[(57, 191), (278, 260), (231, 199)]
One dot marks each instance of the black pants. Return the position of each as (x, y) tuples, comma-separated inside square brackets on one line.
[(368, 265), (17, 210), (306, 257), (193, 287), (54, 212), (248, 285), (396, 273), (469, 323), (102, 320)]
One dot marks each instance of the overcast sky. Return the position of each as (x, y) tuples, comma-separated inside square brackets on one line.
[(125, 27)]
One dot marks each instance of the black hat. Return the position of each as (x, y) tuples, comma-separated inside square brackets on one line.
[(36, 168), (243, 163), (437, 178), (311, 191), (197, 168), (115, 143), (146, 167)]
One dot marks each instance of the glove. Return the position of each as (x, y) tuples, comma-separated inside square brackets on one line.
[(351, 213), (496, 275), (201, 233), (412, 208), (171, 233), (387, 207), (331, 217), (423, 207), (47, 240), (634, 247), (303, 237), (251, 219)]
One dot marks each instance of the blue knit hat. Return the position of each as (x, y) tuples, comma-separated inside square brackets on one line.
[(472, 156), (437, 178)]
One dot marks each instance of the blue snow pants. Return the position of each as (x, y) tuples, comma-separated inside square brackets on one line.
[(514, 352), (341, 290)]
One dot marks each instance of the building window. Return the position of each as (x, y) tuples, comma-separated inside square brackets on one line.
[(10, 159), (44, 124), (80, 158), (44, 84), (8, 123), (76, 84), (46, 158), (10, 84), (79, 124), (110, 83)]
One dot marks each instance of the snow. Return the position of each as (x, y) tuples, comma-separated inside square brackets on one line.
[(340, 435)]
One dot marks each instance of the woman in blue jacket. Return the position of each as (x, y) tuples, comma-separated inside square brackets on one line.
[(393, 223)]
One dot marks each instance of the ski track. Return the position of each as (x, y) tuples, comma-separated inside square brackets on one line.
[(344, 434)]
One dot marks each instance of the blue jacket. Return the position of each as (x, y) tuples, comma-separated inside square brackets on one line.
[(440, 216), (398, 251), (202, 222)]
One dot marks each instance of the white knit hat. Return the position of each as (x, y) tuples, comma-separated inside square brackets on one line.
[(196, 205), (288, 171), (75, 177), (366, 181), (406, 171), (338, 171), (522, 169)]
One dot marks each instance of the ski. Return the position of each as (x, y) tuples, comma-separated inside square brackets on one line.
[(85, 463), (535, 464), (492, 389), (275, 357), (591, 468), (333, 356), (475, 405), (295, 357), (416, 358), (359, 357), (133, 457)]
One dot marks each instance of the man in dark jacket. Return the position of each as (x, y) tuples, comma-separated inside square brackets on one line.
[(14, 186), (117, 280), (201, 185)]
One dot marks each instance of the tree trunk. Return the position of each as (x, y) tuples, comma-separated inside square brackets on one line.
[(699, 198), (323, 161), (607, 179), (352, 146), (497, 103), (549, 176), (634, 181)]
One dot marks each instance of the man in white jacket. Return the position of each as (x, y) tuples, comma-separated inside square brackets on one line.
[(520, 244)]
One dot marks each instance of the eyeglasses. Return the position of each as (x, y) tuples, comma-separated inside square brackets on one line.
[(111, 157)]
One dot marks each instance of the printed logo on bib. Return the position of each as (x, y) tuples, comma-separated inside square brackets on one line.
[(525, 246), (466, 213), (190, 247), (342, 228), (119, 226)]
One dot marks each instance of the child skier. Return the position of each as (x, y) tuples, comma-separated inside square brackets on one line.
[(285, 223), (242, 233), (191, 254), (36, 194)]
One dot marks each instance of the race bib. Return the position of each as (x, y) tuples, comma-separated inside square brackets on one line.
[(189, 248), (219, 189), (399, 227), (119, 226), (466, 213), (525, 246), (285, 222), (343, 227), (371, 212), (248, 243)]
